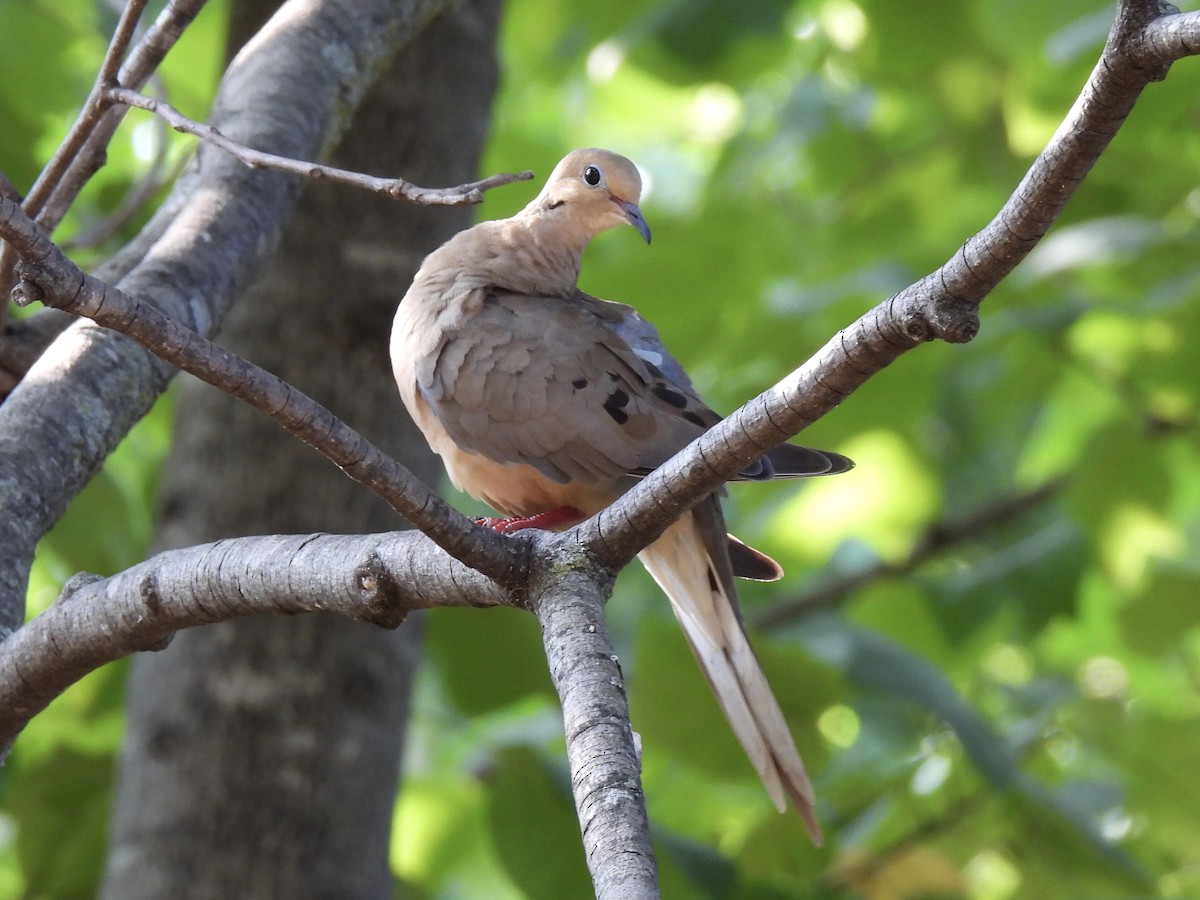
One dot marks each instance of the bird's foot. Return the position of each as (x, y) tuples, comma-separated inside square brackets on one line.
[(560, 517)]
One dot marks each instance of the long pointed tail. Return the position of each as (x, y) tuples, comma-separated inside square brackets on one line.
[(701, 592)]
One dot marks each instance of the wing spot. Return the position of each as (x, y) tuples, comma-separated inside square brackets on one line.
[(695, 419), (615, 406), (667, 395), (579, 384)]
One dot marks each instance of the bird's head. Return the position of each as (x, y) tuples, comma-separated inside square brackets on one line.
[(597, 189)]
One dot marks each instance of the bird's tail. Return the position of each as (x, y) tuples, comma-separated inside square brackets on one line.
[(690, 562)]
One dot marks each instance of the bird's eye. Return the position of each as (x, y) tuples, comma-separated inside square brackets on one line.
[(591, 175)]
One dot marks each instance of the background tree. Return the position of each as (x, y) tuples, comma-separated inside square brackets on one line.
[(995, 639)]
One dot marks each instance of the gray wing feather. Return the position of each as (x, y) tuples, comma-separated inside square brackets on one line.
[(556, 384)]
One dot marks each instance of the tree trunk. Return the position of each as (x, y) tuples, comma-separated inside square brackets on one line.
[(262, 756)]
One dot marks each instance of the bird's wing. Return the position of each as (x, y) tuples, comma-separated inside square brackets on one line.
[(554, 384)]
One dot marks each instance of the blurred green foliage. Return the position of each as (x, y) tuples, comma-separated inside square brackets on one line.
[(1016, 716)]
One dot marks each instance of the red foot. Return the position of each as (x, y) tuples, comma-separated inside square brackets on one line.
[(560, 517)]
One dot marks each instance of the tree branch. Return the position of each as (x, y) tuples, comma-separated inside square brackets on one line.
[(943, 304), (58, 184), (569, 593), (142, 63), (377, 578), (89, 117), (393, 188)]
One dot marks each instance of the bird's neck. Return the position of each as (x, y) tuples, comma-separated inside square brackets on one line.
[(547, 251)]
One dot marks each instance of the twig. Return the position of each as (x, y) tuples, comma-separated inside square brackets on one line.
[(48, 276), (159, 38), (89, 116), (55, 190), (938, 537), (393, 188), (200, 250), (68, 152)]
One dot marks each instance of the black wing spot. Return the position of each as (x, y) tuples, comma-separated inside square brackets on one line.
[(695, 419), (667, 395), (615, 406), (614, 376), (579, 384)]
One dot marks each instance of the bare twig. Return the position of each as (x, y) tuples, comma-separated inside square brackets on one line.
[(68, 151), (937, 538), (942, 305), (89, 116), (82, 152), (216, 229), (393, 188), (159, 38)]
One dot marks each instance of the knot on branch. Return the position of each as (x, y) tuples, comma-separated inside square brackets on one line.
[(77, 581), (955, 321), (25, 293), (52, 281), (917, 328), (380, 593), (151, 596)]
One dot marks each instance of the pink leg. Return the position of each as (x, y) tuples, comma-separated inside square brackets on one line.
[(559, 517)]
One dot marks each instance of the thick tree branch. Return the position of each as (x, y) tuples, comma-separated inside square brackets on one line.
[(943, 304), (393, 188), (376, 578), (568, 598)]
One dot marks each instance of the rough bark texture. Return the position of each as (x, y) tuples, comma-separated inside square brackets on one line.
[(262, 755)]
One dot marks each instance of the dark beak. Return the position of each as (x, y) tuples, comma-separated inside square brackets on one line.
[(634, 217)]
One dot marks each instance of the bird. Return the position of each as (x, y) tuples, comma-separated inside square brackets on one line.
[(547, 404)]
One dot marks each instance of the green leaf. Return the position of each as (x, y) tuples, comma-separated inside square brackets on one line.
[(488, 658), (1161, 610)]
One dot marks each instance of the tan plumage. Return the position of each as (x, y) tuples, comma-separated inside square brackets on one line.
[(537, 396)]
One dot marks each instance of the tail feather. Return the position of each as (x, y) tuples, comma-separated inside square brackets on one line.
[(699, 583)]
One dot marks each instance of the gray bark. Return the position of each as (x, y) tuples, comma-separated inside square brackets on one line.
[(262, 755)]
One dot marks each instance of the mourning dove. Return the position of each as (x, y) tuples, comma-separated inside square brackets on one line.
[(546, 404)]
